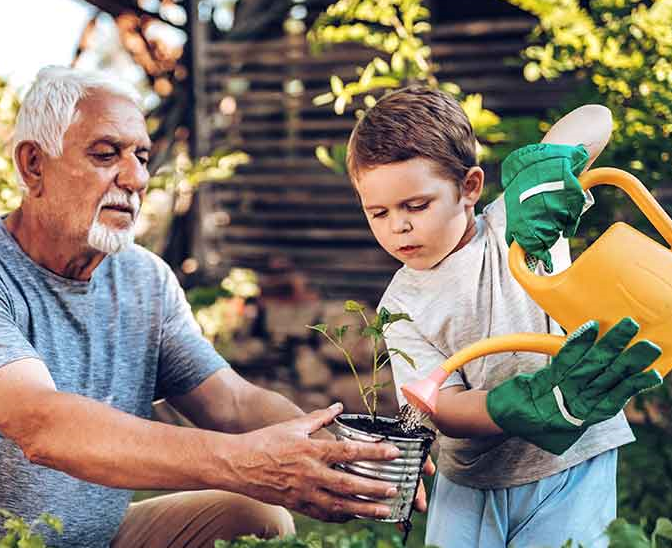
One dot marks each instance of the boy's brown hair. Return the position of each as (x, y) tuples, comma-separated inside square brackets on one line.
[(416, 121)]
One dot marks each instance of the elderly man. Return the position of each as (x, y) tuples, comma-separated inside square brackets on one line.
[(93, 328)]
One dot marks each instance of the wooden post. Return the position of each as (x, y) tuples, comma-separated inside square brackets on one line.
[(197, 38)]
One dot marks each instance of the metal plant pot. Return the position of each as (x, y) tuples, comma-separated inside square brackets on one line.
[(404, 471)]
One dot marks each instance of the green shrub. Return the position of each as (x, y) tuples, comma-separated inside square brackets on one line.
[(19, 534)]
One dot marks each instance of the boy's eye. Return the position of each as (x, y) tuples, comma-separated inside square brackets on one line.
[(378, 214), (417, 207)]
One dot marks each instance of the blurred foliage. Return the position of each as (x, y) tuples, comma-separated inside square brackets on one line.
[(172, 187), (620, 52), (360, 539), (394, 28), (10, 196), (19, 534), (220, 311)]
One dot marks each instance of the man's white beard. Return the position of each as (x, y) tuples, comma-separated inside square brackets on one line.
[(111, 240)]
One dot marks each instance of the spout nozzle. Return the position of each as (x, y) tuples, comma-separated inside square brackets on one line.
[(422, 394)]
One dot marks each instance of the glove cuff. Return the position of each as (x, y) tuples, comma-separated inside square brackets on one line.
[(522, 158)]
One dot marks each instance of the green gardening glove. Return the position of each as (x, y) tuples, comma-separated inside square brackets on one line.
[(543, 196), (586, 383)]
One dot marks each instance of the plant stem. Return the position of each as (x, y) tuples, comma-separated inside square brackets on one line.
[(354, 372)]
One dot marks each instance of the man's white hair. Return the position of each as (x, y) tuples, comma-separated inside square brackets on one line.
[(50, 106)]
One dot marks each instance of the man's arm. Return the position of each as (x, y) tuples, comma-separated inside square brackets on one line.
[(96, 443), (226, 402)]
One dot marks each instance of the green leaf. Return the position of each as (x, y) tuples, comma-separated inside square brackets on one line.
[(663, 529), (353, 306), (336, 85), (372, 331), (397, 317), (340, 332), (410, 361), (624, 535), (383, 317), (321, 327), (53, 522)]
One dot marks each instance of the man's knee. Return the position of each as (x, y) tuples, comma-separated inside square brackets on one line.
[(197, 519), (267, 521)]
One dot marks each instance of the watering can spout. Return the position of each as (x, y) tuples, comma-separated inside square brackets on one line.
[(623, 273)]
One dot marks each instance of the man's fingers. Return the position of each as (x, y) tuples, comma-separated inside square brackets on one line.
[(320, 418), (349, 451), (420, 502), (429, 468), (339, 508), (344, 483), (632, 361)]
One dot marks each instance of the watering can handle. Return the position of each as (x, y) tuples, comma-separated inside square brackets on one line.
[(639, 194), (517, 342)]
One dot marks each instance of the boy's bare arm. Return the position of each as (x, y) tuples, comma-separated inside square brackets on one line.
[(462, 413), (589, 125)]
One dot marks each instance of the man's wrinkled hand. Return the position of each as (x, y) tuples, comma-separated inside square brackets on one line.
[(282, 464)]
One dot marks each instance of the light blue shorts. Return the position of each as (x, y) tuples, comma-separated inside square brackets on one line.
[(577, 503)]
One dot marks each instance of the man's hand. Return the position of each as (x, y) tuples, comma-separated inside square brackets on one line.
[(282, 464), (586, 383), (543, 196), (429, 469)]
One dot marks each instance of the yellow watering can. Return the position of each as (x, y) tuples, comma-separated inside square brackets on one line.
[(623, 273)]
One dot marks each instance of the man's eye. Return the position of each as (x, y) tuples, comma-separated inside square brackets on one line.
[(143, 160), (104, 156), (417, 207)]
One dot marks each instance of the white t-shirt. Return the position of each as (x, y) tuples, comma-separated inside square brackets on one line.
[(469, 296)]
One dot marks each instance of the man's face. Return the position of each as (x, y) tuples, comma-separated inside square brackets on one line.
[(416, 215), (94, 190)]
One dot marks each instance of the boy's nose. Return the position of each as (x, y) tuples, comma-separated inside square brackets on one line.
[(401, 225)]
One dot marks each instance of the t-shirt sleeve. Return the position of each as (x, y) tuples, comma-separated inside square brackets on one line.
[(405, 336), (13, 344), (186, 358)]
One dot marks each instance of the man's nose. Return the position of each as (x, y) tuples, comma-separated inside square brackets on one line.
[(133, 175)]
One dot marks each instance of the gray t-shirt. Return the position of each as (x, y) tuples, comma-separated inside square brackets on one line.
[(124, 338), (471, 295)]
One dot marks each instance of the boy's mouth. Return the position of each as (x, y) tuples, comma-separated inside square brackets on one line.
[(408, 249)]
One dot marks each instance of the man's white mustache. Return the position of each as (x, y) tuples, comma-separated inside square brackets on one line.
[(121, 199)]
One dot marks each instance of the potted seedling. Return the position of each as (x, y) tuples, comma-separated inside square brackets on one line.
[(414, 441)]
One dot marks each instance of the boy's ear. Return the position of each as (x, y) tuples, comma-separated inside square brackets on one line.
[(29, 159), (472, 185)]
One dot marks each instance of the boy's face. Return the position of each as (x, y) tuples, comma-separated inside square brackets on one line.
[(417, 216)]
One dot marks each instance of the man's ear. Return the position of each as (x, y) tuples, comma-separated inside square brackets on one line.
[(472, 185), (29, 160)]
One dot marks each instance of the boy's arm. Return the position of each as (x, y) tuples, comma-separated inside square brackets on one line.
[(589, 381), (589, 125), (463, 413)]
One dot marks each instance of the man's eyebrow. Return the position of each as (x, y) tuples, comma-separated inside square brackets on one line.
[(116, 142)]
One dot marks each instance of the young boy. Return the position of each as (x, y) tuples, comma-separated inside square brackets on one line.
[(412, 160)]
